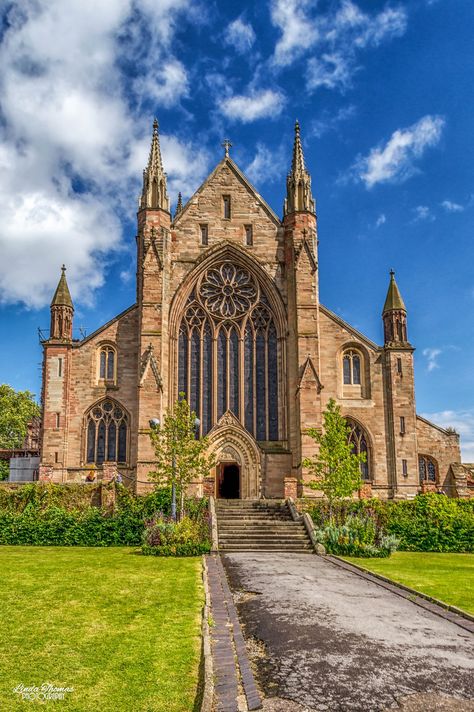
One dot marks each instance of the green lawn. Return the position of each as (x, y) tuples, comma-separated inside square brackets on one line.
[(122, 629), (447, 577)]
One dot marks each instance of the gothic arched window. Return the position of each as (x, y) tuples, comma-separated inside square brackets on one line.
[(106, 433), (107, 366), (360, 444), (229, 352), (351, 368), (427, 469)]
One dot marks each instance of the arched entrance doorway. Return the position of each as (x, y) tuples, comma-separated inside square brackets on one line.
[(228, 480), (237, 472)]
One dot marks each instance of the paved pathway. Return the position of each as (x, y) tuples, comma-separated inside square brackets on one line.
[(335, 641), (233, 678)]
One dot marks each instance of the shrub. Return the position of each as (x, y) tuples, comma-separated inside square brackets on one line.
[(356, 537), (429, 522), (188, 537)]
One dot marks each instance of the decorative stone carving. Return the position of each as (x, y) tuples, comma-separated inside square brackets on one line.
[(228, 291), (149, 361)]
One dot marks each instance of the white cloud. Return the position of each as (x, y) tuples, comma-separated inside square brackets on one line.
[(394, 160), (422, 212), (330, 123), (298, 31), (381, 220), (432, 358), (451, 207), (255, 105), (266, 166), (386, 25), (241, 35), (165, 85), (463, 422), (333, 71), (71, 149), (335, 37)]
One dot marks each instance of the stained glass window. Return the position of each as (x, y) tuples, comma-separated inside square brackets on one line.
[(427, 469), (359, 442), (234, 372), (207, 380), (228, 341), (248, 380), (351, 368), (106, 432), (107, 357), (221, 373)]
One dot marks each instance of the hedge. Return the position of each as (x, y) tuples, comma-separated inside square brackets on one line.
[(59, 527), (64, 515), (429, 522)]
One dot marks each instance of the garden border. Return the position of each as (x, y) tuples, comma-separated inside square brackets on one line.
[(206, 671), (433, 605)]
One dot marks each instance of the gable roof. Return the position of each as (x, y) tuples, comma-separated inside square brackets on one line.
[(78, 344), (227, 161), (349, 328)]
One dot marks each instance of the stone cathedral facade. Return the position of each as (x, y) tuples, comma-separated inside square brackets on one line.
[(227, 311)]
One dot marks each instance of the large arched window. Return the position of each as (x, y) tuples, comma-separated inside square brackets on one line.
[(360, 444), (229, 352), (106, 433), (427, 469)]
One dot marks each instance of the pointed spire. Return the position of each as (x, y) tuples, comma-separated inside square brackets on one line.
[(297, 164), (154, 193), (298, 183), (62, 295), (62, 311), (394, 299), (394, 317), (179, 205)]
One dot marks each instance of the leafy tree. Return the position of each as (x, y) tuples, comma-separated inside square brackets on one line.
[(4, 469), (336, 468), (181, 458), (17, 409)]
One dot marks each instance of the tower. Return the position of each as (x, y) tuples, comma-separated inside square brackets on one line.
[(62, 311), (399, 384), (153, 245), (301, 264), (394, 316), (57, 354)]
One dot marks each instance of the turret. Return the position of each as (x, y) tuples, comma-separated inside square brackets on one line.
[(394, 316), (298, 183), (62, 311), (154, 194), (179, 205)]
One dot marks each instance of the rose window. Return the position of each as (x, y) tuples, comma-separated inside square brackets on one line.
[(228, 291)]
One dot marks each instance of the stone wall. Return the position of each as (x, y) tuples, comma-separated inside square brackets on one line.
[(440, 445)]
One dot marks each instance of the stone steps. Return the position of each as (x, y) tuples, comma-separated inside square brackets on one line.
[(259, 525)]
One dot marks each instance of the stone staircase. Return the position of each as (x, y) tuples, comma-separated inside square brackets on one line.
[(259, 525)]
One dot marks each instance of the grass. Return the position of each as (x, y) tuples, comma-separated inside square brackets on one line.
[(122, 629), (447, 577)]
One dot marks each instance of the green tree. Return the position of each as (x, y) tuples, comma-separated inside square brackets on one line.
[(181, 458), (17, 409), (336, 468)]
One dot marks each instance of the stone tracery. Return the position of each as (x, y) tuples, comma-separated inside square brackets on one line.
[(229, 355), (227, 291)]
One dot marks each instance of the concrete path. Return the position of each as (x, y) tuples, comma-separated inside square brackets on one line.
[(326, 639)]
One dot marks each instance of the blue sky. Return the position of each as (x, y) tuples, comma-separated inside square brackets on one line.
[(384, 95)]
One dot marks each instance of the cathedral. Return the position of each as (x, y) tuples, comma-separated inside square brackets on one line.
[(227, 312)]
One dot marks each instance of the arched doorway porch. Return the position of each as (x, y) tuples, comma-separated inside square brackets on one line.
[(237, 471)]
